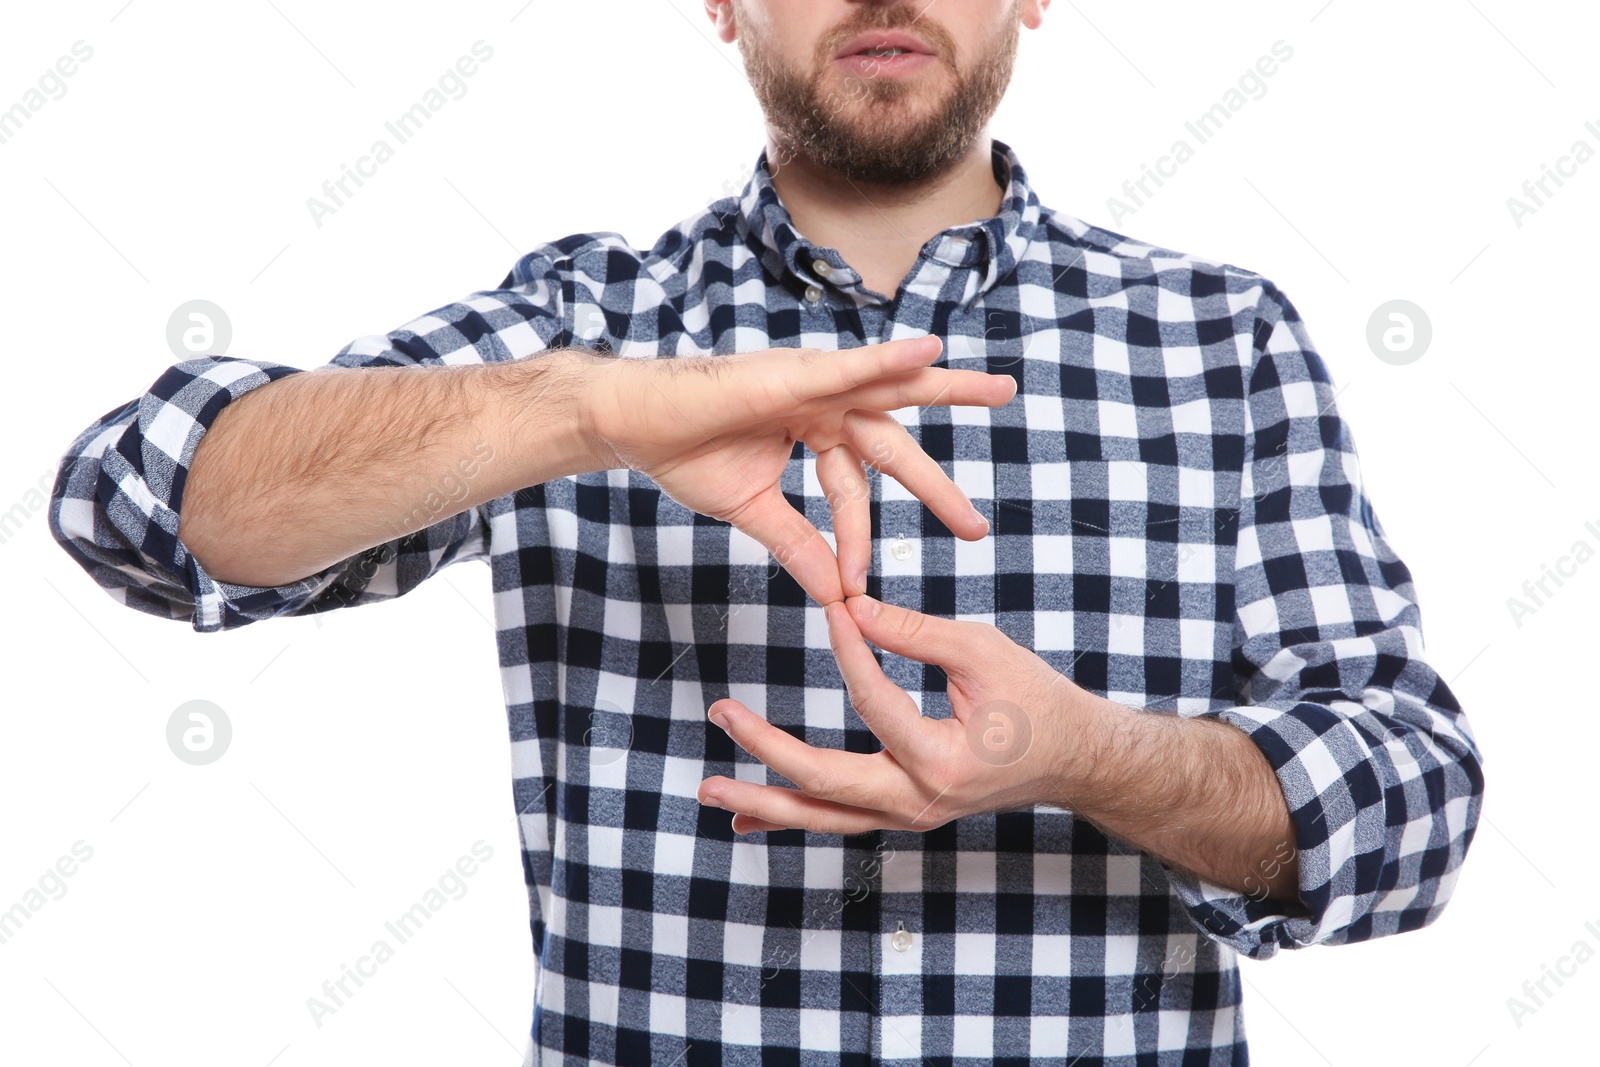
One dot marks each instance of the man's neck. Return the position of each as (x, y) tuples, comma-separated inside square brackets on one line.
[(880, 229)]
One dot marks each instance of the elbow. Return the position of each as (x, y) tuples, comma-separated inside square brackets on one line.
[(1431, 821)]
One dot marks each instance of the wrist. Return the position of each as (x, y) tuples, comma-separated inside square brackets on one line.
[(1100, 736), (597, 415), (543, 406), (589, 380)]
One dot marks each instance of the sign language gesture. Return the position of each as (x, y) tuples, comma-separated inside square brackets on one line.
[(1193, 792), (1004, 746), (716, 433)]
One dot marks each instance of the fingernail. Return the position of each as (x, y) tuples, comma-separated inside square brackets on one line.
[(866, 607), (860, 578), (719, 718), (712, 801), (980, 514)]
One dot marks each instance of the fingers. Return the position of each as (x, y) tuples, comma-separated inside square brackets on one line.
[(889, 713), (890, 448), (807, 374), (845, 484), (796, 544), (826, 774), (764, 807), (954, 645), (933, 386), (894, 374), (813, 373)]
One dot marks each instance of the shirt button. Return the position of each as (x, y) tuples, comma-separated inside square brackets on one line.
[(822, 267), (813, 294), (902, 939), (901, 549)]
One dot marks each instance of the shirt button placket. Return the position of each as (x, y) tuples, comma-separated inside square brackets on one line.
[(900, 1022)]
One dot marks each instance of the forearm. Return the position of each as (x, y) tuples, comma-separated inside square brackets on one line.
[(1195, 793), (311, 469)]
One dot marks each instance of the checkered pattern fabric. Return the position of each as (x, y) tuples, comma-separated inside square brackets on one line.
[(1178, 523)]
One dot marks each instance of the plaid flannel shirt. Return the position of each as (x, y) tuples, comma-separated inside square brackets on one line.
[(1178, 524)]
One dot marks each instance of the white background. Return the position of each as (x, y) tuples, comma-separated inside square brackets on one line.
[(370, 746)]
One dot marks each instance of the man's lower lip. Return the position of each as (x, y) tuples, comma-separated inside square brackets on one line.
[(869, 66)]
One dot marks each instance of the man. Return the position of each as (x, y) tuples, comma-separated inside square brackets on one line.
[(1161, 701)]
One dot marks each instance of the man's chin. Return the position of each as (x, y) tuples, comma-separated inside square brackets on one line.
[(919, 111), (900, 162)]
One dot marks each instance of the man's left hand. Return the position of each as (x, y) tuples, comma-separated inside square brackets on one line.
[(1017, 732)]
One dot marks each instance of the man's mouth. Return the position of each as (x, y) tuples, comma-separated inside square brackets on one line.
[(885, 54), (884, 44)]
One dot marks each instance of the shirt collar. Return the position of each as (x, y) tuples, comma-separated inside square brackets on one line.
[(991, 246)]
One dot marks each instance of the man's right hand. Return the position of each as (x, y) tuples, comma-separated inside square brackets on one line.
[(306, 471), (716, 432)]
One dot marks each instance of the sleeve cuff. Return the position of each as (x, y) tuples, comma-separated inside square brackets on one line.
[(142, 479), (1336, 804)]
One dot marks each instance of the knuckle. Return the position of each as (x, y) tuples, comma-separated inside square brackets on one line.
[(912, 625), (923, 817), (831, 825)]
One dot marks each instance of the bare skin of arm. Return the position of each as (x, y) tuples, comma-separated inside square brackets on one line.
[(316, 467), (1196, 793)]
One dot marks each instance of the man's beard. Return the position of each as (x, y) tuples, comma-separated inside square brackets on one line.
[(891, 147)]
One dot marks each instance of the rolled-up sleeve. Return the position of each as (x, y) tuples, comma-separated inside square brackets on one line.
[(1372, 750), (119, 488)]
